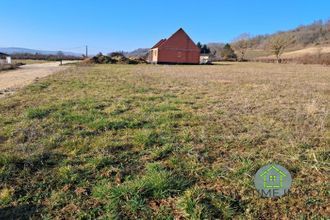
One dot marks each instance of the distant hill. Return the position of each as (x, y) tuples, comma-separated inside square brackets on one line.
[(17, 50), (312, 35), (309, 40), (317, 33), (141, 52)]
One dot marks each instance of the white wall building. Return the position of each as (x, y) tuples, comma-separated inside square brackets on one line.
[(5, 58), (204, 58)]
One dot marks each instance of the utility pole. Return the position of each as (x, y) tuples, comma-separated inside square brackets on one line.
[(86, 51)]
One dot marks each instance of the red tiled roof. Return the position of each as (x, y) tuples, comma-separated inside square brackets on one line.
[(180, 32), (159, 43)]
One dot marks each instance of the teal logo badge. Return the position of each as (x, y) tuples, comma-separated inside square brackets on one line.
[(272, 181)]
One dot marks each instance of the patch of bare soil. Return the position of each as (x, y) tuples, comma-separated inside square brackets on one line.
[(12, 80)]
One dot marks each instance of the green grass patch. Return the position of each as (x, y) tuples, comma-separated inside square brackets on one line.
[(158, 142), (129, 200), (38, 113)]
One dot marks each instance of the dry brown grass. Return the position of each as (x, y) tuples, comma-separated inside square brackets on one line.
[(311, 55), (310, 51), (151, 141), (27, 61)]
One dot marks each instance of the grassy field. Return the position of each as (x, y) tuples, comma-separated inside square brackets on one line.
[(166, 142), (25, 61)]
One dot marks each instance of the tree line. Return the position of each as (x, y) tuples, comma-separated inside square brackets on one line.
[(50, 57), (317, 33)]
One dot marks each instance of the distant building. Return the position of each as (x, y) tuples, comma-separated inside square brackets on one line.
[(178, 49), (204, 58), (5, 58)]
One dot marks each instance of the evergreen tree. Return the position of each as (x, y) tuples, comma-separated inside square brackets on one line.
[(228, 53), (203, 48), (199, 45)]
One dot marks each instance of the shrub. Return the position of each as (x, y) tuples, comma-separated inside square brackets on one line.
[(114, 58), (101, 59), (117, 54), (323, 59)]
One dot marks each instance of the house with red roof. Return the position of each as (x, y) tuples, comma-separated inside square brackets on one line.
[(177, 49)]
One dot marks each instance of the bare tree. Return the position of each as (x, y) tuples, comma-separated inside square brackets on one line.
[(60, 56), (241, 44), (279, 43)]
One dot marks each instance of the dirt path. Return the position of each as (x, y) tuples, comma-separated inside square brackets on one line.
[(16, 79)]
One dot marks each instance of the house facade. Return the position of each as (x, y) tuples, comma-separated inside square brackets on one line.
[(178, 49), (205, 58), (5, 59)]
